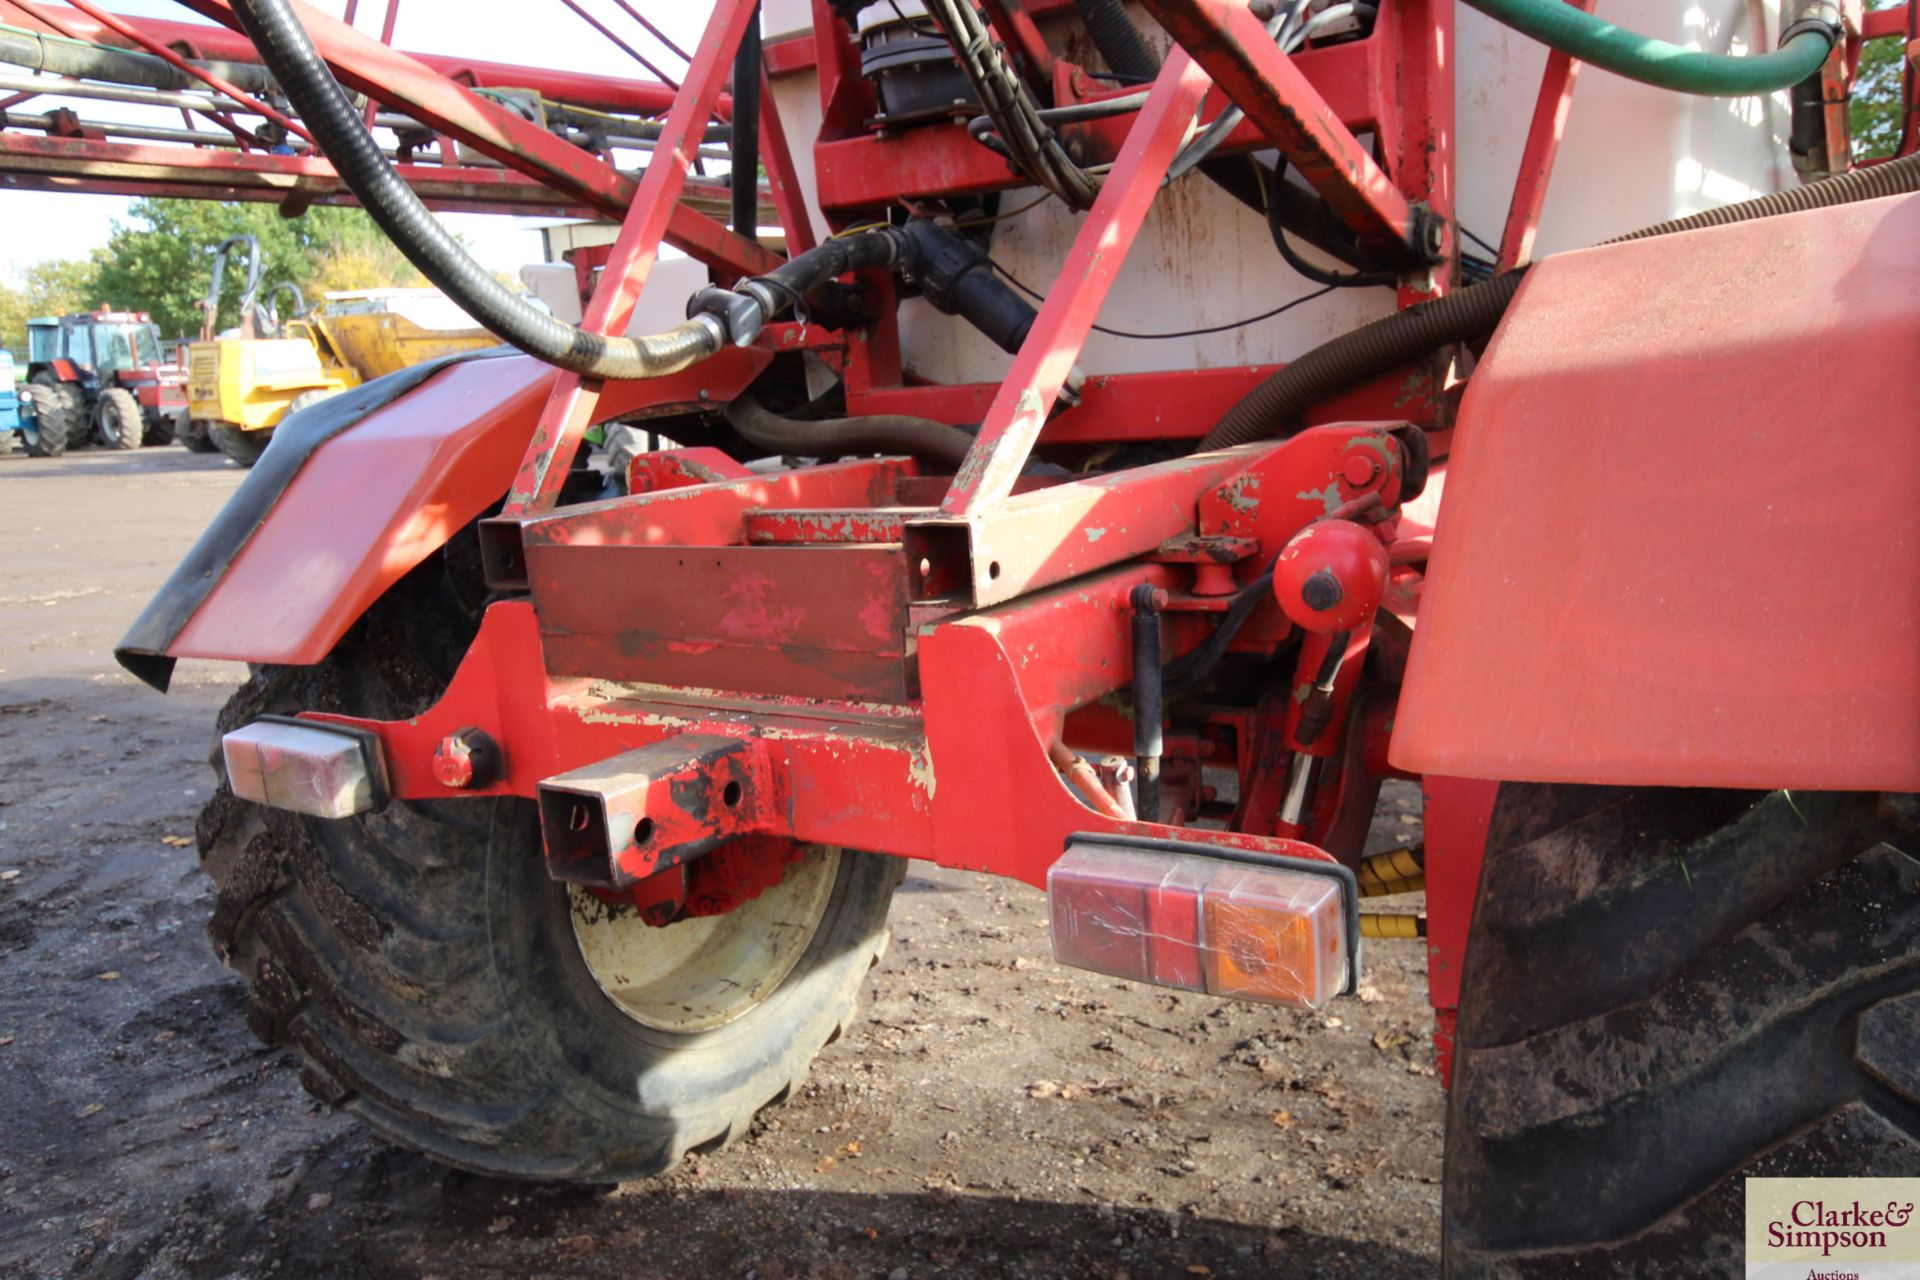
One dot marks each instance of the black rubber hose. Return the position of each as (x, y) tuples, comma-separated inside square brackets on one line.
[(342, 134), (1127, 55), (1149, 703), (1277, 228), (1185, 672), (1118, 40), (744, 174), (1275, 405), (922, 438)]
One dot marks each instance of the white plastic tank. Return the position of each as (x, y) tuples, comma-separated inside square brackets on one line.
[(1631, 155)]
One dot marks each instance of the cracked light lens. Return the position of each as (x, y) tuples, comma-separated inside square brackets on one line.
[(302, 769), (1194, 923)]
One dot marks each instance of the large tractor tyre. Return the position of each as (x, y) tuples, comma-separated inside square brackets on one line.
[(240, 445), (60, 409), (440, 985), (198, 436), (306, 399), (117, 419), (161, 428), (40, 436), (1665, 993)]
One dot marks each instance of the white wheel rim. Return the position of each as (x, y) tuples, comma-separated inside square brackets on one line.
[(705, 972)]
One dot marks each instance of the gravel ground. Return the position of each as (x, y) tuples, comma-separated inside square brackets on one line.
[(990, 1113)]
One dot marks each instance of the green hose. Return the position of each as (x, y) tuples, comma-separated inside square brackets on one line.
[(1581, 35)]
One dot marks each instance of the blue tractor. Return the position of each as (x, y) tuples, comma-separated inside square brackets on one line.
[(10, 425)]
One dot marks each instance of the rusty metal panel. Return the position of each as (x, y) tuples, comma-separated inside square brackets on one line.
[(804, 621)]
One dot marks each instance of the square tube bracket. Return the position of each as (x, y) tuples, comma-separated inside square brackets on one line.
[(611, 824)]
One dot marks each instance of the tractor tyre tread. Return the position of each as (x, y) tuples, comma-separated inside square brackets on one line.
[(121, 420), (60, 412), (1666, 993), (241, 446)]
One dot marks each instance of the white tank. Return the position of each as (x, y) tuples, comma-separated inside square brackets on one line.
[(1631, 155)]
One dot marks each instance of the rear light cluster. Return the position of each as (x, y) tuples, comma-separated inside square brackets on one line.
[(305, 768), (1279, 933)]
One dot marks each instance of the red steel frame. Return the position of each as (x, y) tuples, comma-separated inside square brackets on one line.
[(1536, 160), (978, 624), (859, 720)]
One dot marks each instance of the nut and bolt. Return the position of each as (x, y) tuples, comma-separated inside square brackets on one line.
[(466, 760), (1321, 591)]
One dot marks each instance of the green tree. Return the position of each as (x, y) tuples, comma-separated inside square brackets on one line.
[(58, 286), (14, 314), (1874, 113), (62, 286), (161, 260)]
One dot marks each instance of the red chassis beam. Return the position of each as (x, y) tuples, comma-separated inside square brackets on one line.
[(602, 93), (386, 75), (866, 713), (968, 784), (45, 163), (1052, 345), (1536, 161), (649, 218)]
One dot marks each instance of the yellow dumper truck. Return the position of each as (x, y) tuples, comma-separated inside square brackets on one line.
[(244, 381)]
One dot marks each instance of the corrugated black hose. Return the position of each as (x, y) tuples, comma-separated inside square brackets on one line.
[(344, 137), (1275, 405), (1127, 55)]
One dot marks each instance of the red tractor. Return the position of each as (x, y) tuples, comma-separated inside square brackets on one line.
[(557, 832), (100, 377)]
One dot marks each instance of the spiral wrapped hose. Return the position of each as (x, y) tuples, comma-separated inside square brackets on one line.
[(1275, 405), (344, 137)]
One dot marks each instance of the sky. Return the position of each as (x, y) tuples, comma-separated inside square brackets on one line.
[(541, 33)]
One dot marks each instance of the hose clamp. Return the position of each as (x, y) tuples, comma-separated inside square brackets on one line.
[(1822, 16), (715, 330), (735, 316)]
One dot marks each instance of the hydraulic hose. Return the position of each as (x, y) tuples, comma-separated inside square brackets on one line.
[(1118, 40), (344, 137), (1031, 145), (743, 176), (1274, 406), (921, 438), (1804, 44), (1244, 178)]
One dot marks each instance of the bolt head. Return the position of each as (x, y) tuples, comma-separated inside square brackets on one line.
[(465, 760), (1321, 591), (1359, 469), (453, 763)]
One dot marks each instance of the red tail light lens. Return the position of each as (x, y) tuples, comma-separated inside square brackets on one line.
[(1247, 931)]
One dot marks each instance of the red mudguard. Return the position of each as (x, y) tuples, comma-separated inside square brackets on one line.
[(1680, 543), (320, 529)]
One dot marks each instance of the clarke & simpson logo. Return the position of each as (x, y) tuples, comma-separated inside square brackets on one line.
[(1833, 1229)]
